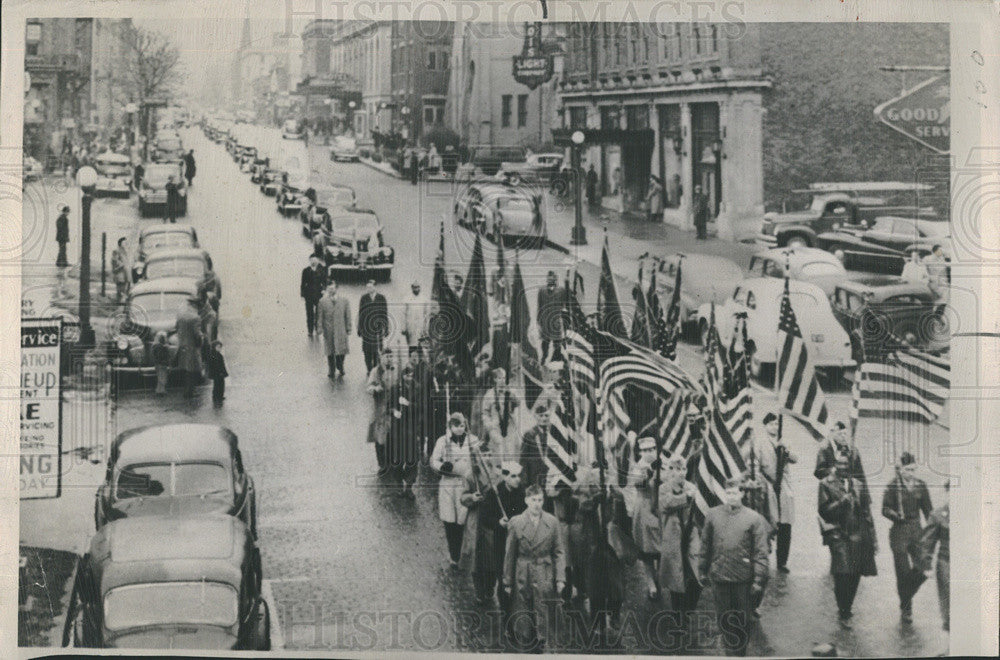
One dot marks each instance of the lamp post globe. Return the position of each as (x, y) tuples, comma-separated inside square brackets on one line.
[(577, 137), (86, 177)]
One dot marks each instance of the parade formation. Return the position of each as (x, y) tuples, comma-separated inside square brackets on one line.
[(605, 450)]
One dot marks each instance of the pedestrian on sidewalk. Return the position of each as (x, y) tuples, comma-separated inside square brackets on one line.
[(849, 531), (121, 269), (209, 321), (189, 341), (140, 172), (675, 191), (334, 318), (311, 287), (216, 367), (190, 166), (173, 200), (936, 534), (373, 323), (381, 380), (62, 238), (903, 502), (210, 282), (592, 186), (161, 360), (452, 460), (654, 199), (775, 460), (734, 559), (700, 209)]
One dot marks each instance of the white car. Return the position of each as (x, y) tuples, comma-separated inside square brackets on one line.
[(501, 212), (292, 130), (704, 278), (804, 263), (344, 149), (114, 175), (826, 340)]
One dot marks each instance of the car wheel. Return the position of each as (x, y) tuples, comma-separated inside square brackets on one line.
[(797, 241)]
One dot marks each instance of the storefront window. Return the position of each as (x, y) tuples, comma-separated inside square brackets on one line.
[(578, 117), (610, 118), (670, 157), (637, 117)]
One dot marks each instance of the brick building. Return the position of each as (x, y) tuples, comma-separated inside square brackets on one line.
[(749, 112), (421, 51)]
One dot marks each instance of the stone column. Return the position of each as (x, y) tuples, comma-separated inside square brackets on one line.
[(687, 177), (724, 221)]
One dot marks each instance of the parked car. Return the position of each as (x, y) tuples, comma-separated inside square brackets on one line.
[(192, 263), (875, 309), (257, 168), (114, 175), (536, 168), (166, 236), (167, 149), (246, 157), (170, 582), (840, 204), (153, 189), (805, 264), (32, 170), (352, 243), (487, 160), (328, 200), (885, 246), (152, 307), (344, 149), (704, 278), (179, 469), (292, 129), (271, 180), (291, 196), (826, 341), (502, 212)]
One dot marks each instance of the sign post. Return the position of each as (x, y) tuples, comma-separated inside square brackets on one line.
[(41, 408), (922, 113)]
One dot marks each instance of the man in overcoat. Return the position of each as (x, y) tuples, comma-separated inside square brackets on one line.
[(311, 289), (334, 317), (534, 568), (775, 461), (533, 448), (548, 315), (373, 325), (189, 341), (905, 499)]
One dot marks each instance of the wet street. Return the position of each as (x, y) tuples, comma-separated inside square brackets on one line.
[(350, 565)]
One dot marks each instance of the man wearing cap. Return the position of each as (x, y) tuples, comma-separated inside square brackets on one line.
[(680, 546), (838, 444), (903, 502), (774, 460), (334, 318), (189, 341), (551, 301), (415, 315), (453, 461), (373, 324), (502, 417), (645, 518), (311, 288), (533, 448)]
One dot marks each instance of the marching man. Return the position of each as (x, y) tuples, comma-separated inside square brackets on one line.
[(453, 461)]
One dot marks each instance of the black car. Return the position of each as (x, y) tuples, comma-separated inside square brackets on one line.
[(885, 245), (326, 200)]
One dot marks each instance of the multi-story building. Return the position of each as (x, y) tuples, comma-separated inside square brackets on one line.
[(748, 112), (486, 105), (107, 102), (326, 91), (421, 53), (361, 50)]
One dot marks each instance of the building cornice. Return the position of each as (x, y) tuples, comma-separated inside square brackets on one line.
[(569, 91)]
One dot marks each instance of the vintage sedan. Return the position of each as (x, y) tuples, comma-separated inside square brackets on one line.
[(876, 309), (885, 246), (271, 180), (328, 201), (502, 212), (246, 157), (805, 264), (192, 263), (537, 168), (153, 189), (166, 236), (291, 196), (760, 299), (354, 245), (292, 129), (114, 175), (32, 170), (177, 469), (151, 308), (257, 168), (168, 149), (344, 149), (191, 582), (704, 278)]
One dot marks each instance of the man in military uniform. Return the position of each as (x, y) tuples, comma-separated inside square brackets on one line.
[(905, 499)]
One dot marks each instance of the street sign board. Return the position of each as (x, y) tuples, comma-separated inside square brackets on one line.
[(533, 66), (922, 113), (41, 408)]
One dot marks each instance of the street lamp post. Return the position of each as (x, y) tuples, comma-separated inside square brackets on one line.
[(87, 179), (579, 236)]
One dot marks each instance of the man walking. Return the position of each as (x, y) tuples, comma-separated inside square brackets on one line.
[(120, 269), (334, 317), (62, 238), (189, 341), (403, 446), (905, 499), (592, 183), (700, 208), (775, 458), (654, 199), (189, 166), (453, 461), (311, 289), (551, 301), (936, 534), (533, 449), (373, 324), (173, 200), (140, 172), (734, 558), (415, 315)]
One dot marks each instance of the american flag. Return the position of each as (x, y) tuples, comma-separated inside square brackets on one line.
[(673, 424), (666, 332), (909, 384), (798, 390)]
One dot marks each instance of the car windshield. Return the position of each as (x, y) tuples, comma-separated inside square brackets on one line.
[(169, 144), (112, 168), (515, 204), (157, 176), (159, 301), (340, 197), (175, 267), (346, 143), (350, 222), (291, 125), (163, 603), (167, 239), (818, 204), (171, 479), (821, 268)]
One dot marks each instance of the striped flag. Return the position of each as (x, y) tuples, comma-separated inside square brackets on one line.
[(666, 331), (799, 392), (910, 385), (523, 356), (673, 428), (608, 308)]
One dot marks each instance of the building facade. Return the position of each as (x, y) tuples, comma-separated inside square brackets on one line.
[(326, 91), (361, 50), (421, 56), (748, 113)]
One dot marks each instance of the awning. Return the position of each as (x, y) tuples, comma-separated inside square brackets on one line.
[(562, 137)]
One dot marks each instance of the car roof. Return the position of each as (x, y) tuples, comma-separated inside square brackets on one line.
[(178, 253), (112, 157), (797, 255), (773, 286), (171, 548), (884, 287), (169, 228), (704, 261), (174, 442), (166, 285), (356, 214)]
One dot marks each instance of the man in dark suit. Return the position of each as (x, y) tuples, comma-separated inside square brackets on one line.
[(905, 499), (373, 323), (311, 289), (533, 448), (551, 301)]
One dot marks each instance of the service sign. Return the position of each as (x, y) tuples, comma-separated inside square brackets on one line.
[(41, 408), (922, 113)]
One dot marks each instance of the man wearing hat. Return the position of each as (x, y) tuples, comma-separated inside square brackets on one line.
[(373, 324), (453, 461), (903, 502), (189, 341), (62, 238), (551, 301), (533, 448), (837, 444), (774, 460), (416, 311), (333, 316)]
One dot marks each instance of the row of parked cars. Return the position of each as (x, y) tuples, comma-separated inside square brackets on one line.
[(841, 314), (175, 562), (349, 239)]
